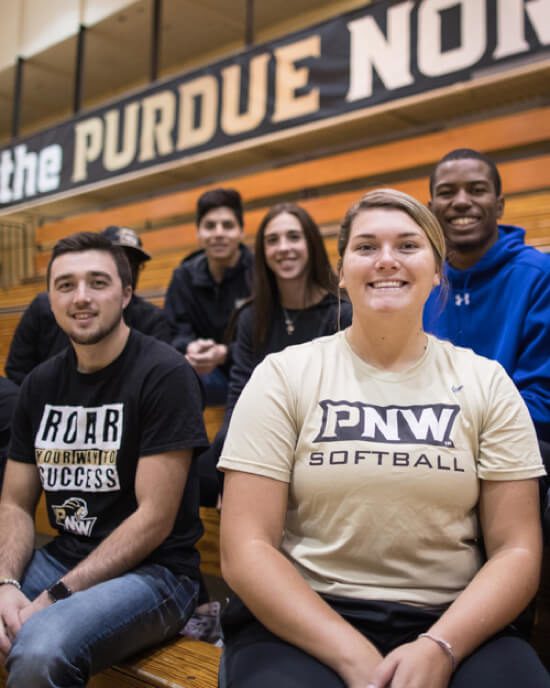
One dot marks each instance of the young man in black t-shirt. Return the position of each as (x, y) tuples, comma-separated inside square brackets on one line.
[(101, 429), (38, 337)]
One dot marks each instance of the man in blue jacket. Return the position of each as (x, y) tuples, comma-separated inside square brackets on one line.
[(498, 300)]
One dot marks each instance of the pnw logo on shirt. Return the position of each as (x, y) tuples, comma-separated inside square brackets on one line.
[(76, 447), (352, 421), (73, 517)]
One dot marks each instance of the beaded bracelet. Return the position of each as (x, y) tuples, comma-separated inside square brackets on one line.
[(444, 645), (10, 581)]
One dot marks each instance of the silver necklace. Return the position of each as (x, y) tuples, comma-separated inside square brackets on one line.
[(289, 323)]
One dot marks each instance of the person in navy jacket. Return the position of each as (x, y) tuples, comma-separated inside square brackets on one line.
[(207, 287)]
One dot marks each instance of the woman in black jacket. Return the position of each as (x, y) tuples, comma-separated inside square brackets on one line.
[(295, 299)]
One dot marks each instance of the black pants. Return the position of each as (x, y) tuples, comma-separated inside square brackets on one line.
[(255, 658)]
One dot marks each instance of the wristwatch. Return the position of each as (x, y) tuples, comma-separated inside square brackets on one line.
[(59, 591)]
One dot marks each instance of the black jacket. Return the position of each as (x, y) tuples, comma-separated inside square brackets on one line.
[(8, 399), (38, 336), (200, 307), (319, 320)]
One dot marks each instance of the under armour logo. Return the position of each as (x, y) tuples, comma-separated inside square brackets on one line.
[(459, 299)]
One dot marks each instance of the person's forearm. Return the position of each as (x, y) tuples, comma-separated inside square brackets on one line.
[(283, 601), (125, 548), (499, 592), (17, 529)]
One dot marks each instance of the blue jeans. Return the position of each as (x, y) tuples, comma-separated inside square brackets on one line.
[(216, 386), (66, 643)]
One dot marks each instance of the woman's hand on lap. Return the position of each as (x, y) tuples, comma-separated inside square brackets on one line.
[(420, 664)]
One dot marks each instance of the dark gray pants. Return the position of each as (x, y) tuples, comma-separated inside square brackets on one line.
[(255, 658)]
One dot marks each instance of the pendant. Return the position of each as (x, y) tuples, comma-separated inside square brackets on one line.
[(289, 323)]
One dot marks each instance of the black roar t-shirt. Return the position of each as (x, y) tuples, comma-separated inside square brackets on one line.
[(86, 433)]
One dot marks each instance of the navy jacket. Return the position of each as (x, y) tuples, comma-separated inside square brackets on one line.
[(500, 308), (198, 306)]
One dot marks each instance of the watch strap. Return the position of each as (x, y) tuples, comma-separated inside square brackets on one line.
[(59, 591)]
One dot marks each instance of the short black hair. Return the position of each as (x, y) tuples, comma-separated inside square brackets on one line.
[(469, 154), (217, 198), (92, 241)]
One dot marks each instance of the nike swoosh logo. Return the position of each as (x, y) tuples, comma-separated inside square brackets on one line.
[(457, 388)]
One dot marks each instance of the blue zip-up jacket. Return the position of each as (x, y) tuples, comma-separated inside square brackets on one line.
[(500, 308)]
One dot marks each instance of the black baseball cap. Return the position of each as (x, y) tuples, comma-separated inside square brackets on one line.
[(127, 238)]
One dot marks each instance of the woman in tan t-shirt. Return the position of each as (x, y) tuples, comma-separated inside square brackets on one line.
[(305, 621)]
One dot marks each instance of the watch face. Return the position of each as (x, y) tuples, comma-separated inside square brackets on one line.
[(59, 591)]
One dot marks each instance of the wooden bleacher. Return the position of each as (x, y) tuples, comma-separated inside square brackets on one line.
[(501, 133), (530, 210), (180, 663), (374, 164), (166, 222)]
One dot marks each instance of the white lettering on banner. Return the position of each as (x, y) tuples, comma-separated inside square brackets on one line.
[(432, 59), (511, 29), (25, 173), (538, 12), (157, 123), (209, 104), (76, 427), (88, 136), (116, 156), (236, 122), (393, 46), (199, 105), (6, 169), (289, 79), (50, 164), (511, 25), (28, 173), (390, 56), (197, 97)]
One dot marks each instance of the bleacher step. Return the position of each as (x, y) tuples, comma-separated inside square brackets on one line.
[(181, 663)]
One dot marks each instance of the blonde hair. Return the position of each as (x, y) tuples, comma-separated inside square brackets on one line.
[(396, 200)]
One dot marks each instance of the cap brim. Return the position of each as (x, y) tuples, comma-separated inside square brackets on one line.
[(139, 251)]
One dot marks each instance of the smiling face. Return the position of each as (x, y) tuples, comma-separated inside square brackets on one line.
[(285, 246), (388, 265), (87, 296), (219, 234), (465, 202)]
